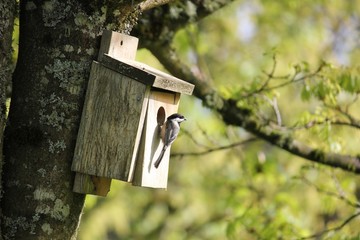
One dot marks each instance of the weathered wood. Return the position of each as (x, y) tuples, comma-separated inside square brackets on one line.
[(147, 75), (109, 127), (126, 69), (164, 80), (139, 134), (88, 184), (118, 135), (118, 46), (146, 174)]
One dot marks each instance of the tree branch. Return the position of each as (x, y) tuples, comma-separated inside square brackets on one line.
[(148, 4), (159, 25), (243, 117), (158, 42)]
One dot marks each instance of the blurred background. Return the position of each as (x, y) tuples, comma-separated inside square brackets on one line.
[(223, 183)]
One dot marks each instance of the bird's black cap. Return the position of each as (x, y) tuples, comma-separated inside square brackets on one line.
[(176, 115)]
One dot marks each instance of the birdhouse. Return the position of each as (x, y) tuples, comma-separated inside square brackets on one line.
[(125, 105)]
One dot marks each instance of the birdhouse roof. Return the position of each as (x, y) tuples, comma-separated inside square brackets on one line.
[(147, 75)]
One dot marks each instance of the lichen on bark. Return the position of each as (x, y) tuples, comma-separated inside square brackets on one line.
[(58, 42)]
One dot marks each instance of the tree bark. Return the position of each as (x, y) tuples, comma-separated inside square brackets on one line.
[(7, 12), (58, 41)]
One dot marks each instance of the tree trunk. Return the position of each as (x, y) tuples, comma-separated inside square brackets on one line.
[(58, 41), (7, 11)]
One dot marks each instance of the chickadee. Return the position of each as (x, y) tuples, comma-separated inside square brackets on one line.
[(169, 132)]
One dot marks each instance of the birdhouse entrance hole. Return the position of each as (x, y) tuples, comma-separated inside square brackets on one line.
[(160, 116)]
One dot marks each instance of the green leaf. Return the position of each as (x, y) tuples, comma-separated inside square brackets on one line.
[(305, 93)]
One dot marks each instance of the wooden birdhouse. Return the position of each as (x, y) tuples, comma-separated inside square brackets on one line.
[(126, 103)]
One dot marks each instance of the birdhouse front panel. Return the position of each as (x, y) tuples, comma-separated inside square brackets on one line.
[(109, 128), (161, 104)]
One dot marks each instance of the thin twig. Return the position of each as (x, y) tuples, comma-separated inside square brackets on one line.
[(351, 103), (337, 228), (317, 123), (294, 79), (332, 194), (270, 75), (191, 136), (340, 190), (206, 135), (353, 121), (277, 111), (215, 149), (275, 106)]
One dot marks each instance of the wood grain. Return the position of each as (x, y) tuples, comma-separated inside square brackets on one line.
[(148, 75), (109, 127), (118, 46)]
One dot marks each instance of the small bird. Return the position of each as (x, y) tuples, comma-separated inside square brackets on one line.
[(169, 132)]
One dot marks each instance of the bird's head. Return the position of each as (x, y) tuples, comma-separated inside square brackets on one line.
[(176, 117)]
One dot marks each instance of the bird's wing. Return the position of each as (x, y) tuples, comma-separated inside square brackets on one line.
[(171, 133)]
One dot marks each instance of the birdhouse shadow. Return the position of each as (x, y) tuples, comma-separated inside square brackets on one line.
[(156, 140)]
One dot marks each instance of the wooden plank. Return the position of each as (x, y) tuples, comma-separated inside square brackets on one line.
[(139, 134), (126, 69), (88, 184), (165, 81), (148, 75), (108, 130), (118, 45), (146, 174)]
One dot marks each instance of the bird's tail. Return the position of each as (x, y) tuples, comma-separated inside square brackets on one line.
[(157, 163)]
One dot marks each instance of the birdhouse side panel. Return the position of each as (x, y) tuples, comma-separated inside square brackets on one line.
[(145, 173), (108, 129)]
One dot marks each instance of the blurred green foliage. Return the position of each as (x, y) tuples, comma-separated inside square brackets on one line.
[(253, 190)]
